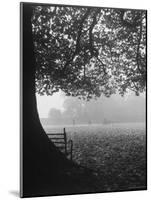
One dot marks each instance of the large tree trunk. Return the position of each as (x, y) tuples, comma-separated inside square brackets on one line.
[(40, 160), (44, 169)]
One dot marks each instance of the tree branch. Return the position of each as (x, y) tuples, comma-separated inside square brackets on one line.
[(103, 65), (77, 48), (138, 46), (90, 32)]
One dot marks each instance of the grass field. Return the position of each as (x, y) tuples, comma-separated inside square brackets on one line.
[(115, 152)]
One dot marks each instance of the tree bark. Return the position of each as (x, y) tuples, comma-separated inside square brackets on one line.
[(44, 169), (41, 161)]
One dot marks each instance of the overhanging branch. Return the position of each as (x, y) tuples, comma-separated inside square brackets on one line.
[(90, 32), (138, 47), (77, 48)]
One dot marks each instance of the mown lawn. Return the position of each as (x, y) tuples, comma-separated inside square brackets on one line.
[(115, 153)]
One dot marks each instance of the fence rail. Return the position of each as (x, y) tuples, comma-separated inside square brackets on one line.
[(62, 143)]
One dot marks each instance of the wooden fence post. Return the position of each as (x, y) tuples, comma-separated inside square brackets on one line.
[(71, 149), (65, 139)]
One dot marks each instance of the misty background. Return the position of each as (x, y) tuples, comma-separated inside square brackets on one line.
[(62, 110)]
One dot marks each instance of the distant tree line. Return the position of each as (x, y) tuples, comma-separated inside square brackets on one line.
[(113, 109)]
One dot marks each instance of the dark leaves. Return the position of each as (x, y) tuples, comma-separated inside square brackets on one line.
[(87, 51)]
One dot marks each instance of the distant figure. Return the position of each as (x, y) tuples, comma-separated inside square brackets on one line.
[(73, 121)]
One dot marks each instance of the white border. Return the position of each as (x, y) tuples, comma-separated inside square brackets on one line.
[(9, 98)]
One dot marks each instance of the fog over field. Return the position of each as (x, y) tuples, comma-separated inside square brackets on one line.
[(60, 109)]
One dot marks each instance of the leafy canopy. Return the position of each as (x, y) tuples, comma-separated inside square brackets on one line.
[(87, 51)]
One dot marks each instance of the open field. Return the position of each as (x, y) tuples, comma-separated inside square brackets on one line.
[(115, 152)]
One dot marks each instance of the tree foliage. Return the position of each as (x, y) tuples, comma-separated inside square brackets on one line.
[(88, 51)]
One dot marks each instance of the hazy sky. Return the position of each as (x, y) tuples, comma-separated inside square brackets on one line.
[(114, 103), (45, 103)]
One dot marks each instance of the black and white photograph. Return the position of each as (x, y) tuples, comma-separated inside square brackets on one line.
[(83, 99)]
